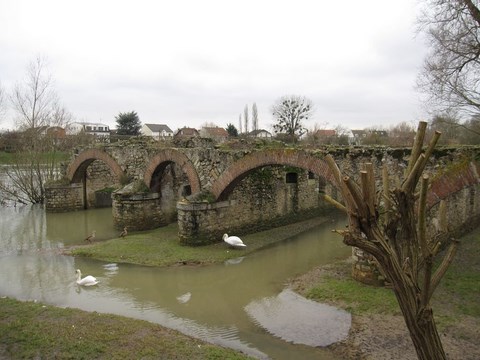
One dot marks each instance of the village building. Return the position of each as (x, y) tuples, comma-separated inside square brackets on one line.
[(217, 133), (186, 133), (157, 131), (96, 129), (260, 133)]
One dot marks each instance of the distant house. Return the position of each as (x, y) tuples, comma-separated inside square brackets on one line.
[(56, 132), (157, 131), (217, 133), (186, 133), (96, 129), (325, 133), (260, 134)]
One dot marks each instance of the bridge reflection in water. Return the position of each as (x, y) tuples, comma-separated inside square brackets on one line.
[(228, 304)]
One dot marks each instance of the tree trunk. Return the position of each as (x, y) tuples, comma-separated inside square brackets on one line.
[(419, 321)]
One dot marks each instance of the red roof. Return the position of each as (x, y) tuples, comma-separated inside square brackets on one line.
[(325, 133)]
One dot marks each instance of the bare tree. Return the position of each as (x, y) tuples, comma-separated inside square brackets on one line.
[(60, 116), (472, 135), (401, 134), (392, 228), (449, 125), (454, 131), (240, 123), (3, 105), (245, 117), (254, 117), (36, 157), (290, 112), (451, 72), (34, 99)]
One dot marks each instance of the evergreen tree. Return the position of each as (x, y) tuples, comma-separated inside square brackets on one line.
[(232, 130), (128, 123), (254, 117), (245, 115)]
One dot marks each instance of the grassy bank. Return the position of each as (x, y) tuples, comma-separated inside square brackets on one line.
[(7, 158), (34, 331), (160, 247), (457, 295), (378, 328)]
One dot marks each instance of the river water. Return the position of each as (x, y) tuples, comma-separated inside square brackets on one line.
[(243, 304)]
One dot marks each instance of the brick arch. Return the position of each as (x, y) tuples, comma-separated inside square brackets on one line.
[(77, 168), (171, 155), (453, 181), (252, 161)]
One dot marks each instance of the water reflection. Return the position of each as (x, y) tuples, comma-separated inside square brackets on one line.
[(301, 321), (211, 302)]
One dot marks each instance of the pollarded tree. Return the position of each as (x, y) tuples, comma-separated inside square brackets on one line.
[(392, 228), (128, 123), (290, 112)]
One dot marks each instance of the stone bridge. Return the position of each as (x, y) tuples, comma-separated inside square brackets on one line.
[(212, 189)]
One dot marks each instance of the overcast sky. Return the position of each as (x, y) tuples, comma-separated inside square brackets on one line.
[(188, 62)]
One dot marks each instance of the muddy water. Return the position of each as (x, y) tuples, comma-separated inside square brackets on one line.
[(241, 304)]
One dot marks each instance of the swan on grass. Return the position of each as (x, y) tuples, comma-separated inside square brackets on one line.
[(91, 237), (88, 280), (234, 241)]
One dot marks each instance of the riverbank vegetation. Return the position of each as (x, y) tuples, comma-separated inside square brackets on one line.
[(160, 247), (8, 158), (31, 330), (378, 329)]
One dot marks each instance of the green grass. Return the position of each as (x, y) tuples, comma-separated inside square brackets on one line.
[(29, 330), (457, 295), (354, 296), (11, 158), (459, 290), (160, 247)]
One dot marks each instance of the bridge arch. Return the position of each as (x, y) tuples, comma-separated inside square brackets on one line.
[(167, 156), (241, 168), (77, 167)]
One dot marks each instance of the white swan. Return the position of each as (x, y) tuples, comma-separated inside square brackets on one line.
[(234, 241), (88, 280)]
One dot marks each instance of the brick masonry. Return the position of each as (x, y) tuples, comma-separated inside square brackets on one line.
[(241, 196)]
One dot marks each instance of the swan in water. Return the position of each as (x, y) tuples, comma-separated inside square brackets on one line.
[(183, 299), (234, 241), (88, 280)]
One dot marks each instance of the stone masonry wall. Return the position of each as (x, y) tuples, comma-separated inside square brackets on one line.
[(261, 200), (99, 176), (137, 211), (64, 198)]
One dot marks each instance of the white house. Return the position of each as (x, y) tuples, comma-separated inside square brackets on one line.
[(157, 131), (97, 129), (260, 134)]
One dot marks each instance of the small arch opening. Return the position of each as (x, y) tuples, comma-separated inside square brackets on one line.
[(186, 191), (291, 178)]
